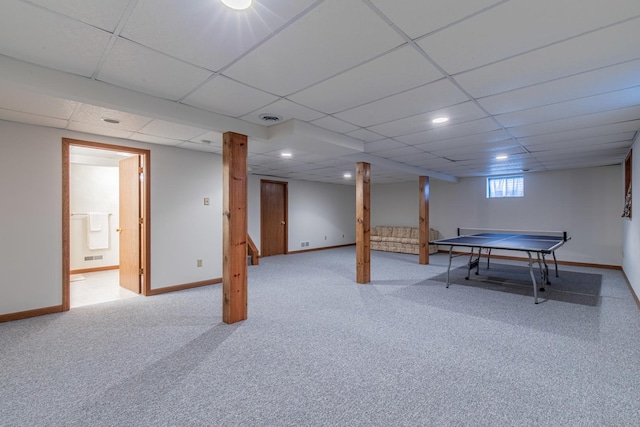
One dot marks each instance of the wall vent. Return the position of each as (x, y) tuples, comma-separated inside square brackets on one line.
[(88, 258)]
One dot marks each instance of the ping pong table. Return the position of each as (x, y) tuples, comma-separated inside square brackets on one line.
[(540, 243)]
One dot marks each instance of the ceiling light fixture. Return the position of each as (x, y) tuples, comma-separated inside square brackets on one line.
[(347, 175), (237, 4), (440, 120), (112, 121), (503, 157), (285, 155)]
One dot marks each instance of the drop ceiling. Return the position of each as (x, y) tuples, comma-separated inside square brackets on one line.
[(553, 84)]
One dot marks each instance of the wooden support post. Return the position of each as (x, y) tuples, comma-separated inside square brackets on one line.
[(234, 230), (423, 232), (363, 223)]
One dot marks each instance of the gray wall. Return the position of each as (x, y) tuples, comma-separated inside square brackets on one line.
[(586, 203)]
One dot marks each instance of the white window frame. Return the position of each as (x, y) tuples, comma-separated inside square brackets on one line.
[(499, 187)]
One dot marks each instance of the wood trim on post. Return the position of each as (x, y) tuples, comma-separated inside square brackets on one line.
[(234, 270), (423, 231), (363, 222)]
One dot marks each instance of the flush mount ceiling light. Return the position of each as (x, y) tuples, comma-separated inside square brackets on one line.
[(347, 175), (440, 120), (237, 4), (112, 121), (503, 157), (285, 155)]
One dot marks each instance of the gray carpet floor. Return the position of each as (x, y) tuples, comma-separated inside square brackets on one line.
[(319, 349)]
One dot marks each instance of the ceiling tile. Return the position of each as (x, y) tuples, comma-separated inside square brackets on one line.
[(35, 103), (430, 97), (284, 109), (222, 95), (421, 17), (606, 47), (135, 67), (365, 135), (589, 105), (603, 80), (473, 140), (577, 144), (209, 148), (385, 144), (155, 139), (214, 139), (32, 119), (99, 130), (394, 72), (98, 13), (609, 129), (459, 113), (398, 152), (90, 114), (580, 122), (335, 125), (449, 131), (479, 41), (204, 32), (171, 130), (310, 40), (34, 35)]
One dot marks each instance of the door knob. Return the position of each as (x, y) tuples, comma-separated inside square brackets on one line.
[(282, 222), (118, 230)]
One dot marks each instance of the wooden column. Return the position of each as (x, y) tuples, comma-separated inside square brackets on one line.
[(423, 257), (363, 223), (234, 230)]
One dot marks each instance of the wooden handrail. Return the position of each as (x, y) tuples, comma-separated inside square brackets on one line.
[(253, 251)]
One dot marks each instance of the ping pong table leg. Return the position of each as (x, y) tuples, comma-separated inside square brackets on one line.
[(533, 279), (545, 278), (555, 262), (488, 258), (473, 263), (449, 268)]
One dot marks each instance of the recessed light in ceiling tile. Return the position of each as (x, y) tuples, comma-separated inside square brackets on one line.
[(271, 118), (237, 4), (286, 155), (503, 157), (438, 120), (347, 175), (111, 121)]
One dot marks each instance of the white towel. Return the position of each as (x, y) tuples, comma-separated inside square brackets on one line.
[(98, 230)]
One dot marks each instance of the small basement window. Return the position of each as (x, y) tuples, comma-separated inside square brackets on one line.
[(505, 186)]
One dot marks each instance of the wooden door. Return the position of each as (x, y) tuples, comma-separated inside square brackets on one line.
[(273, 218), (130, 224)]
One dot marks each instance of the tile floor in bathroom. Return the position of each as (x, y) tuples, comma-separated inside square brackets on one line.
[(97, 287)]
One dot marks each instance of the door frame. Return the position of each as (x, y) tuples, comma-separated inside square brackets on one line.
[(285, 185), (145, 209)]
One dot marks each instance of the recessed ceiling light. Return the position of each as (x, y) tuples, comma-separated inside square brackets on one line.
[(503, 157), (285, 155), (237, 4), (440, 120), (347, 175), (112, 121)]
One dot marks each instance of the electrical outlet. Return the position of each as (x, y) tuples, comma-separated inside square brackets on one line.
[(199, 263)]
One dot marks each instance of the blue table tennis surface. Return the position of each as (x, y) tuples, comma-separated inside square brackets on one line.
[(518, 242)]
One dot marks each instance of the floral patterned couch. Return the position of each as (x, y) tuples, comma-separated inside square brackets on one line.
[(399, 239)]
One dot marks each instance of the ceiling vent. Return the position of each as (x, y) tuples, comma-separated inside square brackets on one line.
[(270, 118)]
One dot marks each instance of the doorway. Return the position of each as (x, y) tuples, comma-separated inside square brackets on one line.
[(128, 225), (273, 217)]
